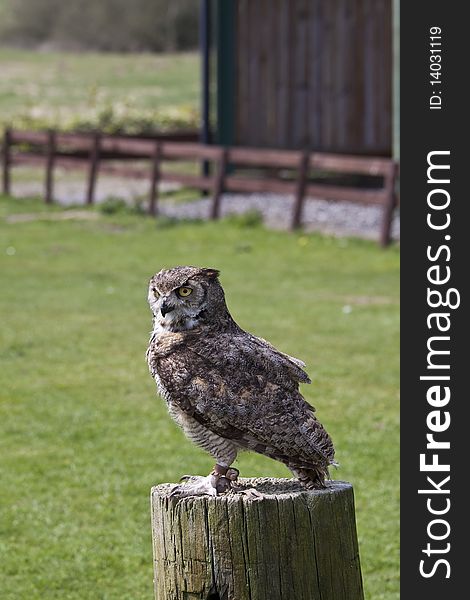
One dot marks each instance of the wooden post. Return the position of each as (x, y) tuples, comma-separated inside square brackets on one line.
[(94, 163), (219, 184), (290, 543), (300, 191), (155, 180), (6, 161), (50, 158), (389, 206)]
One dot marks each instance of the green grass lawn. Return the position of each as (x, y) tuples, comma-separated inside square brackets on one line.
[(65, 88), (83, 435)]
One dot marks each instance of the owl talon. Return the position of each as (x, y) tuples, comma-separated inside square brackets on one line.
[(212, 485), (223, 484), (232, 474)]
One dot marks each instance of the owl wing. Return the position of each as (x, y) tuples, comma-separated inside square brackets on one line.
[(286, 365), (243, 389)]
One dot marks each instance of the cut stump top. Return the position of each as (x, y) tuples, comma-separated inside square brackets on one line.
[(269, 487)]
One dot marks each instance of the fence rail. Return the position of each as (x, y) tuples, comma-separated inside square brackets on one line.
[(278, 171)]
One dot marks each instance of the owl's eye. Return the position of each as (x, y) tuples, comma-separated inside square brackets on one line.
[(155, 293), (184, 291)]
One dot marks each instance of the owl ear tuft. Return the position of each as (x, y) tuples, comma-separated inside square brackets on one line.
[(211, 273)]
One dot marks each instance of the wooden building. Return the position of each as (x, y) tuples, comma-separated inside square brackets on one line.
[(314, 74)]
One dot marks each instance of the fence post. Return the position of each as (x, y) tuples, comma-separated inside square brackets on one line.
[(219, 183), (389, 206), (94, 163), (300, 191), (50, 158), (290, 543), (6, 161), (155, 180)]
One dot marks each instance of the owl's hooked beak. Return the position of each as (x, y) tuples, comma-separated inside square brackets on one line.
[(166, 308)]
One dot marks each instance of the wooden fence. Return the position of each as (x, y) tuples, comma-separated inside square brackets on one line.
[(233, 169)]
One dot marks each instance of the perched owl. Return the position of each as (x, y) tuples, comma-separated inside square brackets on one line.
[(229, 390)]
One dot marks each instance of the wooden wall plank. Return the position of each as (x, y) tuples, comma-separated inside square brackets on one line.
[(386, 22), (285, 44), (356, 77), (240, 71), (327, 79), (255, 106), (272, 74), (342, 99), (264, 55), (369, 75), (315, 73)]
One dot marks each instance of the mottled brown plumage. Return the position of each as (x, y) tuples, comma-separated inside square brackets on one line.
[(228, 389)]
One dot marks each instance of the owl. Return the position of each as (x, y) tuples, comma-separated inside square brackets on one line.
[(228, 389)]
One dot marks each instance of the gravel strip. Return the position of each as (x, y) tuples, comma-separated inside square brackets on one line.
[(333, 218)]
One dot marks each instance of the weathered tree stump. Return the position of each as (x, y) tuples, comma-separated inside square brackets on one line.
[(291, 544)]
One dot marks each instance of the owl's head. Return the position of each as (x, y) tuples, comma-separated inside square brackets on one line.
[(183, 298)]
